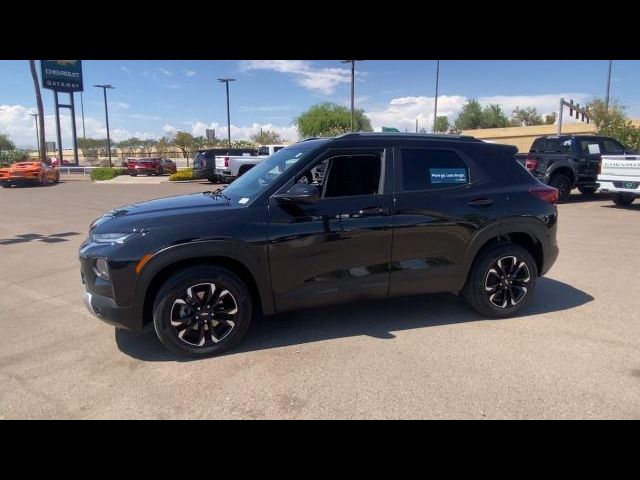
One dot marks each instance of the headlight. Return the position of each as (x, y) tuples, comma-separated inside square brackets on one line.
[(101, 269), (110, 237)]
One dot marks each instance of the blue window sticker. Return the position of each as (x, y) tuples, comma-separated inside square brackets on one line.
[(448, 175)]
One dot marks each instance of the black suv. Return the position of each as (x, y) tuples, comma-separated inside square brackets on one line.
[(394, 214), (570, 161)]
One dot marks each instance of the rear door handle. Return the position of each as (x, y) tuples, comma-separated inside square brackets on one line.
[(480, 202), (369, 211)]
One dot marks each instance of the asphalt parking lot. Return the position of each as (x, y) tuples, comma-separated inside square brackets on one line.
[(573, 353)]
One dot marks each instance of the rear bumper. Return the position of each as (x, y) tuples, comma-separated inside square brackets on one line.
[(224, 175), (605, 186), (550, 257), (141, 170)]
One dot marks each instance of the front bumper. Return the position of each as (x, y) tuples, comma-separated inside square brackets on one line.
[(106, 310)]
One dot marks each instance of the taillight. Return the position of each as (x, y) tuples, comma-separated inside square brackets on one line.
[(226, 162), (531, 164), (548, 194)]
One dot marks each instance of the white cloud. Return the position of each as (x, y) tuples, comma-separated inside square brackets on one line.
[(323, 80), (165, 71), (402, 112), (125, 69), (289, 133), (189, 73)]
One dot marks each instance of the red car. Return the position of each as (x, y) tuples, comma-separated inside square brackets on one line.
[(150, 166)]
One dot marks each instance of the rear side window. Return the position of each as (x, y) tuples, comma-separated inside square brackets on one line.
[(538, 145), (612, 147), (431, 169), (590, 146)]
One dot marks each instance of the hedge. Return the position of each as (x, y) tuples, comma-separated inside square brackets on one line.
[(106, 173), (182, 175)]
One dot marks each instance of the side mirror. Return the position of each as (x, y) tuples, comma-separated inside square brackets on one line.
[(299, 193)]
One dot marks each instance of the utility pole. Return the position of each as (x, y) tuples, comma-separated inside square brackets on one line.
[(606, 99), (106, 113), (353, 90), (226, 82), (36, 85), (435, 103), (82, 109), (35, 118)]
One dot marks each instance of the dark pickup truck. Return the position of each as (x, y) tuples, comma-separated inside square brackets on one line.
[(569, 161)]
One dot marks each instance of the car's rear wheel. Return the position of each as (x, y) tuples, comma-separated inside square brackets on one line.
[(587, 190), (133, 174), (623, 199), (57, 179), (562, 183), (44, 180), (502, 281), (202, 311), (213, 180)]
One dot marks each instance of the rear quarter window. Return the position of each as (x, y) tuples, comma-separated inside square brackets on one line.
[(425, 169)]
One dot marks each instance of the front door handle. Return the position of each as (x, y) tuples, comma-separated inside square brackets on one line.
[(369, 211), (480, 202)]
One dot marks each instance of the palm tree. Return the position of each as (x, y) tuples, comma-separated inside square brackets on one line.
[(36, 85)]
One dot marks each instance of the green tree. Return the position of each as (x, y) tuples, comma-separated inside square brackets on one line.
[(494, 117), (130, 145), (6, 143), (623, 131), (161, 146), (266, 137), (184, 142), (550, 119), (92, 147), (527, 116), (601, 116), (147, 146), (242, 144), (329, 119), (442, 124), (471, 117), (199, 143)]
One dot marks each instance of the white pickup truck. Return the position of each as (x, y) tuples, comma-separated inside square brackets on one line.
[(228, 168), (620, 176)]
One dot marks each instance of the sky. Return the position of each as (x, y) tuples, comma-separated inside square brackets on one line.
[(156, 98)]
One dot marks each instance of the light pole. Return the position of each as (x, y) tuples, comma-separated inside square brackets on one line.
[(435, 104), (606, 100), (106, 113), (353, 84), (226, 82), (82, 109), (35, 118)]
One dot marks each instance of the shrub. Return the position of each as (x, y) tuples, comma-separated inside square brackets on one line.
[(181, 175), (106, 173), (7, 157)]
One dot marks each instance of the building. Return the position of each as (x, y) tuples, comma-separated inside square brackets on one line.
[(523, 137)]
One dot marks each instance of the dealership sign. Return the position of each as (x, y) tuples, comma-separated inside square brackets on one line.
[(62, 75)]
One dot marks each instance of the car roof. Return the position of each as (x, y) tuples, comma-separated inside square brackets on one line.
[(356, 137)]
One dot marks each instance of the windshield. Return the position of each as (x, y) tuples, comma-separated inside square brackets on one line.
[(250, 185)]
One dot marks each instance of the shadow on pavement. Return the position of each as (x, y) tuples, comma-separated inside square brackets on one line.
[(577, 197), (377, 319)]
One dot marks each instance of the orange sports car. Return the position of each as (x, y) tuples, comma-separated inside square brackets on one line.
[(28, 172)]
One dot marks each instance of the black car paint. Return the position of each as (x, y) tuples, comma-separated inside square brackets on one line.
[(339, 249), (580, 166)]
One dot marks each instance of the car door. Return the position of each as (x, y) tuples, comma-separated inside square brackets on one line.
[(589, 159), (337, 249), (441, 202)]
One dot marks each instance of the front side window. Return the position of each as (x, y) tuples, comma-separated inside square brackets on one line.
[(351, 175), (431, 169)]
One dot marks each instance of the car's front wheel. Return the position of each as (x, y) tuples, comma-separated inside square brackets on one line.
[(501, 281), (202, 311)]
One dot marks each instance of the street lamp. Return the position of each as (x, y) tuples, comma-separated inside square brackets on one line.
[(226, 82), (35, 118), (435, 108), (106, 112), (353, 79), (606, 100)]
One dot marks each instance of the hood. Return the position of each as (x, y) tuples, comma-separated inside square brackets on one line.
[(180, 208)]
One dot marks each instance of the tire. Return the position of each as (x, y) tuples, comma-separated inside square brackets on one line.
[(57, 178), (587, 190), (485, 273), (623, 199), (213, 180), (44, 181), (173, 302), (562, 183), (6, 185), (133, 174), (243, 170)]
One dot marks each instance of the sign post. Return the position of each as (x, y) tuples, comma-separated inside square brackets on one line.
[(63, 76)]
